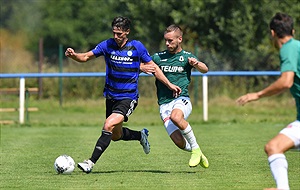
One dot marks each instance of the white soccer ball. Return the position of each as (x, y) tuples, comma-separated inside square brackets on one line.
[(64, 164)]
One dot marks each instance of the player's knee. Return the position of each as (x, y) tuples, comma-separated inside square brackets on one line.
[(108, 126), (175, 118), (270, 148)]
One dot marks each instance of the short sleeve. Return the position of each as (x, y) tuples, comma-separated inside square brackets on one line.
[(155, 58), (288, 58), (100, 49), (143, 52)]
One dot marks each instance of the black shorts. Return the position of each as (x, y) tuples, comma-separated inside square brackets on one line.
[(124, 107)]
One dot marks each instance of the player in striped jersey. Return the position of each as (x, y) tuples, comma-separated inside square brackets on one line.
[(123, 58)]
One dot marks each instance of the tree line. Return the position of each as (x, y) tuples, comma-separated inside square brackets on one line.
[(225, 34), (232, 34)]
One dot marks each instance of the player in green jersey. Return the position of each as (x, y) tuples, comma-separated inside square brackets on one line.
[(282, 31), (177, 65)]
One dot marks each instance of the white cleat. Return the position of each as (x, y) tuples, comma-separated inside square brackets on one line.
[(86, 166), (144, 140)]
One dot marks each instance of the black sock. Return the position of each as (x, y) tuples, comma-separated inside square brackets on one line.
[(129, 135), (102, 143)]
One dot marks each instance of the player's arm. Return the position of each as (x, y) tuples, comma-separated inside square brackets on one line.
[(80, 57), (155, 70), (200, 66), (284, 82), (147, 68)]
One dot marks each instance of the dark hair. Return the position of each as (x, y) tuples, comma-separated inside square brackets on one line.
[(174, 28), (122, 23), (282, 24)]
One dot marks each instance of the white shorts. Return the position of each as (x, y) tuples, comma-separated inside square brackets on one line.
[(293, 132), (182, 103)]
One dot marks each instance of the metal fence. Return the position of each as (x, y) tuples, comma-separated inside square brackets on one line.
[(205, 76)]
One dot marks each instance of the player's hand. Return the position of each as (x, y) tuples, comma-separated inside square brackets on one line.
[(247, 98), (147, 68), (70, 52), (200, 66), (176, 90), (193, 61)]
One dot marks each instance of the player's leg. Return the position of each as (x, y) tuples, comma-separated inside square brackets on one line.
[(277, 160), (177, 117), (114, 120), (197, 157), (172, 130), (275, 149), (127, 134), (176, 136), (103, 142), (180, 141), (181, 110), (279, 144), (126, 108)]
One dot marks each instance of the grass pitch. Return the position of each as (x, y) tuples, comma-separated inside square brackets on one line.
[(232, 139)]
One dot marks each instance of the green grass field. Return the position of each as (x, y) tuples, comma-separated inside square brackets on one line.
[(232, 139)]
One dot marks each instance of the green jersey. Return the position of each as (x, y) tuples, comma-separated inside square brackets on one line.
[(178, 71), (290, 61)]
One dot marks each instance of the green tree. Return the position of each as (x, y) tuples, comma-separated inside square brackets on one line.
[(19, 15), (234, 33), (236, 30), (79, 24)]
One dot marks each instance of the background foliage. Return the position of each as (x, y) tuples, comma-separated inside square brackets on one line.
[(225, 34)]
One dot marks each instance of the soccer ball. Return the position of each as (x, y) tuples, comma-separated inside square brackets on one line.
[(64, 164)]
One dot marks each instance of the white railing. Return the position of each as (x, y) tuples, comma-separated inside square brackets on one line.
[(22, 77)]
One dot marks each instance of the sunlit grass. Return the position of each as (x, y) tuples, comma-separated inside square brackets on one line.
[(233, 139)]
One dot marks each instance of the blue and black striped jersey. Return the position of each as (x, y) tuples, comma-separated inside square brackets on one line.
[(122, 67)]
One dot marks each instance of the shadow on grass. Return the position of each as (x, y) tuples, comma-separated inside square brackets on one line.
[(141, 171)]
